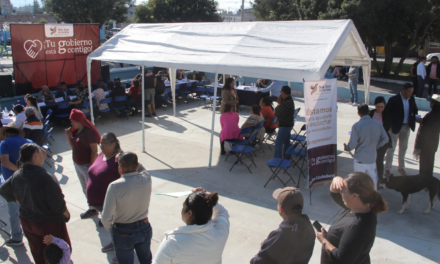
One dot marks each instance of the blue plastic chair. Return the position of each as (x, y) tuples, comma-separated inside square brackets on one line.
[(271, 136), (257, 128), (244, 152), (121, 98), (298, 155), (62, 113), (48, 115), (278, 164), (107, 110), (237, 141), (298, 137)]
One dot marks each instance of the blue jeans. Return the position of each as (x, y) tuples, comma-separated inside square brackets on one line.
[(353, 85), (432, 83), (420, 86), (16, 232), (283, 139), (127, 238)]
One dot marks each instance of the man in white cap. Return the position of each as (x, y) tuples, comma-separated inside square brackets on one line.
[(294, 240)]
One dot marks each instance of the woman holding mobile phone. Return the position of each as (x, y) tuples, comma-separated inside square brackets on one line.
[(352, 234)]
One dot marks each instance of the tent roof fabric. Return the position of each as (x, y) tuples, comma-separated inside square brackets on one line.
[(281, 50)]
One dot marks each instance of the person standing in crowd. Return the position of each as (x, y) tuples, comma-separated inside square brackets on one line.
[(367, 136), (274, 88), (11, 141), (229, 96), (433, 73), (204, 237), (352, 233), (33, 127), (40, 199), (125, 216), (45, 95), (229, 123), (63, 92), (353, 80), (284, 112), (428, 137), (413, 72), (254, 118), (31, 101), (384, 117), (20, 116), (421, 77), (150, 93), (294, 240), (101, 173), (268, 114), (83, 137), (403, 109)]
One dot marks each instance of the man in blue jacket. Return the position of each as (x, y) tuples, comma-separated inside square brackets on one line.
[(294, 240)]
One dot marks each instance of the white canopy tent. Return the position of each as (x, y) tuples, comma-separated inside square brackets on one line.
[(281, 50)]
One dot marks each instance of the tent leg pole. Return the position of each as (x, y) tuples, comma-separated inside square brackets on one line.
[(143, 110), (213, 119), (89, 80)]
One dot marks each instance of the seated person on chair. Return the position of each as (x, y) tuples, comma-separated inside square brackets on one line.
[(229, 123), (268, 114), (134, 93), (81, 97), (20, 116), (180, 75), (45, 95), (101, 84), (254, 118), (33, 127), (63, 92), (118, 90), (99, 95)]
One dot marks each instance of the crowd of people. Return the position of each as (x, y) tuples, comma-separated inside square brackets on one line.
[(423, 74)]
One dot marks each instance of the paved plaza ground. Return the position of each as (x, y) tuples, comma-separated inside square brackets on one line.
[(177, 158)]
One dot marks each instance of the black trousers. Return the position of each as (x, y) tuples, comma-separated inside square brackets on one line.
[(426, 163), (380, 154), (222, 143)]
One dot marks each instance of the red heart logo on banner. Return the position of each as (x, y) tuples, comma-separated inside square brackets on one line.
[(33, 47)]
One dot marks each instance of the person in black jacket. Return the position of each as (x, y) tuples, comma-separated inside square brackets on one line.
[(63, 92), (428, 137), (42, 207), (284, 111), (384, 117), (294, 240), (433, 73), (403, 109), (118, 90), (352, 233), (33, 127)]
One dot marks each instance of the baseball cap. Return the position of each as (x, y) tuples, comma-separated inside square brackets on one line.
[(288, 197)]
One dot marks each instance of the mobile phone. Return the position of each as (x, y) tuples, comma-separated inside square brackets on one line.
[(317, 226)]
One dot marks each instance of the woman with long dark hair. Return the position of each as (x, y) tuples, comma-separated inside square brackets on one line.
[(31, 101), (428, 137), (384, 117), (203, 238), (352, 233), (42, 207), (229, 96)]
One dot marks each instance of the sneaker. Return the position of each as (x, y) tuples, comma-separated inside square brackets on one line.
[(13, 243), (355, 104), (402, 171), (89, 213), (115, 260), (108, 247)]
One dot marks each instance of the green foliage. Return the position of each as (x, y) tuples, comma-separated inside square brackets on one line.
[(37, 8), (160, 11), (42, 21), (88, 11)]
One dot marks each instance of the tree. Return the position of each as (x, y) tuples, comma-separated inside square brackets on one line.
[(88, 11), (37, 9), (160, 11), (275, 10), (42, 21)]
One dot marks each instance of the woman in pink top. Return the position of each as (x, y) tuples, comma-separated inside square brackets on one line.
[(230, 130)]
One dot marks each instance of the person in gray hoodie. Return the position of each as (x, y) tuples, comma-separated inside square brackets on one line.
[(353, 79)]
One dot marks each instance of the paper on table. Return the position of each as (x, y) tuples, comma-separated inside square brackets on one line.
[(107, 93), (176, 194), (42, 104), (73, 97), (59, 99)]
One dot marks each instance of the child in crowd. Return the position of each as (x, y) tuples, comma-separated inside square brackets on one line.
[(57, 250)]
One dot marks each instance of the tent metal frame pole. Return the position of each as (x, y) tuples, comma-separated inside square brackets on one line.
[(143, 109), (172, 79), (89, 82), (214, 106)]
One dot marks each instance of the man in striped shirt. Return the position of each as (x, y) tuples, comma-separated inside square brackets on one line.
[(33, 127), (284, 112)]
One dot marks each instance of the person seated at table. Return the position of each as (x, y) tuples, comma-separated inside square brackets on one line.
[(81, 97), (133, 94), (101, 84), (118, 90), (229, 124), (268, 114), (274, 88), (45, 95), (63, 92), (33, 127), (229, 96), (262, 83), (82, 85), (20, 116), (31, 101), (99, 95), (180, 75), (254, 118), (220, 78)]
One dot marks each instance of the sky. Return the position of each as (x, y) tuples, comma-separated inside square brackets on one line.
[(232, 5)]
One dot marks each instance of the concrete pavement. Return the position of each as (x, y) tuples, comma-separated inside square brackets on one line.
[(177, 157)]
